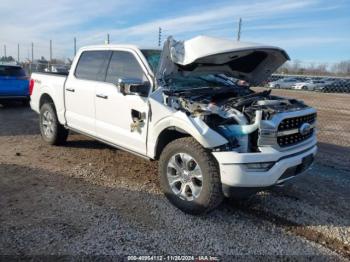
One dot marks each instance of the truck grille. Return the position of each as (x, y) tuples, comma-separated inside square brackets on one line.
[(289, 130), (296, 122)]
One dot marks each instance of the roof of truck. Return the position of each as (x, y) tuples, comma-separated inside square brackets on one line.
[(117, 46)]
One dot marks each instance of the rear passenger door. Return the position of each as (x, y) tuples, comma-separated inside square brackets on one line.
[(80, 90), (114, 111)]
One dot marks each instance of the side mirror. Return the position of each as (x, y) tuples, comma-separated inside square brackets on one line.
[(133, 87)]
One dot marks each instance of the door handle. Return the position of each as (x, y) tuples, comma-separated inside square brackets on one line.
[(102, 96), (70, 90)]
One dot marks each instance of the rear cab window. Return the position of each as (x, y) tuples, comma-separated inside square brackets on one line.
[(12, 71)]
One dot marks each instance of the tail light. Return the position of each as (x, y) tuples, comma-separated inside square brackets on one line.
[(31, 86)]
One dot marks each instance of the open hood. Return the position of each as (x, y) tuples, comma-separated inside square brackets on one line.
[(247, 61)]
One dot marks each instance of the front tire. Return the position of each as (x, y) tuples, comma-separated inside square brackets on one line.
[(51, 130), (190, 177)]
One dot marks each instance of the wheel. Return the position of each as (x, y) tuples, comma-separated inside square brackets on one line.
[(189, 176), (277, 86), (51, 130), (304, 88)]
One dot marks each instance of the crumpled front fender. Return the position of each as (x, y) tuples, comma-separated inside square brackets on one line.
[(194, 126)]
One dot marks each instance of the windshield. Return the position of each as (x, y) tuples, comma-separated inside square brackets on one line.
[(198, 81), (214, 83), (153, 57)]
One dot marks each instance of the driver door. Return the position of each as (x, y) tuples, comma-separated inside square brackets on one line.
[(115, 112)]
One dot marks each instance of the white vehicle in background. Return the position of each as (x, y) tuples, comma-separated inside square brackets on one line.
[(310, 85), (283, 83), (211, 137), (60, 69)]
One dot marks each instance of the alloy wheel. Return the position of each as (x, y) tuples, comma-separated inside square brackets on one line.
[(185, 176)]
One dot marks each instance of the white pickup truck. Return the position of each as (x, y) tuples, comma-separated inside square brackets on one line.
[(182, 107)]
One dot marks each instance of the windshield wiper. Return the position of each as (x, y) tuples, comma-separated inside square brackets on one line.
[(225, 78), (221, 82)]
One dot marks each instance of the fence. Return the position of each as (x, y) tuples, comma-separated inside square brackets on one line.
[(326, 84), (45, 66)]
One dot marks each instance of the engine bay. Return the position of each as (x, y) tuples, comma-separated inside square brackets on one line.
[(206, 102)]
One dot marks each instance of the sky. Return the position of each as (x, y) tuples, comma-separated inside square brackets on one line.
[(313, 31)]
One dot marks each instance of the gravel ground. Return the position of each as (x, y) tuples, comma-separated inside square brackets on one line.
[(88, 198)]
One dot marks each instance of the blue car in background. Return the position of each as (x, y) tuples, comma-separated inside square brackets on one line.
[(14, 84)]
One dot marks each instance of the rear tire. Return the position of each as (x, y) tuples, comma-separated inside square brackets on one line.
[(189, 176), (51, 130)]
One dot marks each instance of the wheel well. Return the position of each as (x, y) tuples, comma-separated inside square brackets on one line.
[(166, 136), (45, 98)]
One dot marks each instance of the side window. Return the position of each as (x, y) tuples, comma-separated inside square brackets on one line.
[(92, 65), (124, 65)]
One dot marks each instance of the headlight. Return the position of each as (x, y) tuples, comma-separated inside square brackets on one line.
[(259, 167)]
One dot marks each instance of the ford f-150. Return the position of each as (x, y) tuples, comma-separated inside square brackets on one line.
[(181, 106)]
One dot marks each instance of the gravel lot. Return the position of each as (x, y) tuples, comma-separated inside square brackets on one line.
[(88, 198)]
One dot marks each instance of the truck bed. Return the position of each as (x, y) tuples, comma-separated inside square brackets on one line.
[(49, 83)]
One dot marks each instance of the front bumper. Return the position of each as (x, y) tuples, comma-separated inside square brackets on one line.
[(234, 172)]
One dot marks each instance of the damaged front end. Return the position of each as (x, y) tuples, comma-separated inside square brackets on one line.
[(237, 118), (196, 77)]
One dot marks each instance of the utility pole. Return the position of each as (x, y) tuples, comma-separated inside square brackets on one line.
[(50, 51), (159, 36), (107, 41), (239, 29), (18, 53), (31, 64), (75, 46), (5, 51), (50, 62), (32, 52)]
